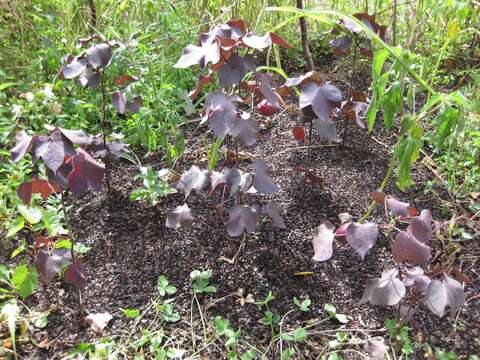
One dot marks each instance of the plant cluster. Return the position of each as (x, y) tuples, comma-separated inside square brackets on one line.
[(225, 51), (410, 279)]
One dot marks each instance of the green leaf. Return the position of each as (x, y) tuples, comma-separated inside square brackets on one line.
[(25, 280), (63, 244), (453, 29), (81, 248), (378, 93), (18, 251), (407, 152), (392, 103), (378, 61), (7, 85), (10, 312), (446, 122), (287, 353), (32, 214), (131, 313), (330, 309), (15, 226)]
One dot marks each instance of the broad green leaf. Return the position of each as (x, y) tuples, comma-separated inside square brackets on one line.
[(392, 103), (15, 226), (25, 280), (63, 244), (446, 122), (407, 152), (378, 93), (32, 214), (378, 61)]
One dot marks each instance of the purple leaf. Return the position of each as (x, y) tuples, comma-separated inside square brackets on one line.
[(218, 178), (99, 55), (261, 181), (23, 141), (221, 111), (245, 129), (77, 137), (234, 70), (311, 76), (274, 213), (74, 67), (193, 179), (323, 241), (407, 248), (361, 237), (242, 218), (50, 264), (399, 208), (421, 226), (262, 42), (239, 181), (326, 129), (376, 348), (208, 52), (322, 98), (75, 276), (265, 88), (415, 277), (89, 79), (181, 216), (443, 294), (61, 176), (54, 150), (389, 291), (341, 45), (119, 101), (86, 174), (386, 291)]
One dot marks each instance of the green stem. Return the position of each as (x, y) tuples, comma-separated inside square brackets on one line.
[(384, 184)]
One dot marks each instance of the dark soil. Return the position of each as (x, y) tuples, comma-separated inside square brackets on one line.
[(131, 247)]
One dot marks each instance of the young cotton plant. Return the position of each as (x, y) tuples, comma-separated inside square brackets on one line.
[(68, 168), (409, 280), (353, 37), (318, 99), (242, 218), (89, 69), (225, 51)]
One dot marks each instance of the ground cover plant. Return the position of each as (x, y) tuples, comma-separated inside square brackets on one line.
[(239, 180)]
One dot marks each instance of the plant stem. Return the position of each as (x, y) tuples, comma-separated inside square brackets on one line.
[(304, 33), (72, 249), (72, 238), (384, 184), (307, 164), (104, 136), (394, 24), (349, 91)]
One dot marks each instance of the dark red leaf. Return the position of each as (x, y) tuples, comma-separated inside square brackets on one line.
[(234, 70), (407, 248), (361, 237), (75, 276), (36, 186), (261, 181), (125, 80), (49, 264), (86, 174), (299, 133)]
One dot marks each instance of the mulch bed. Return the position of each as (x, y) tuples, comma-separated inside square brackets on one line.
[(131, 247)]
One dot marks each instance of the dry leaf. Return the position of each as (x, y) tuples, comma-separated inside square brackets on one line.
[(98, 321)]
